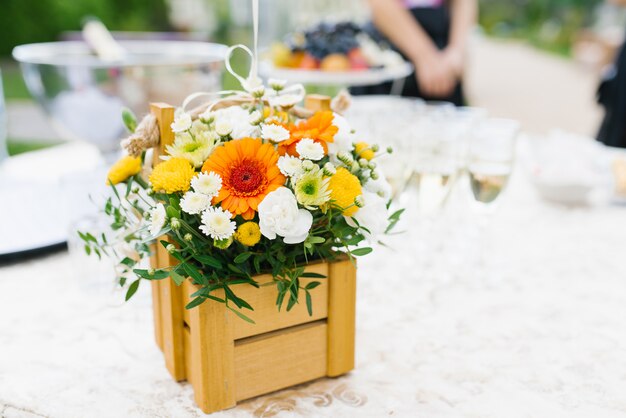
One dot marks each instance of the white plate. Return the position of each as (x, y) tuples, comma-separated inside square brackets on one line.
[(337, 78), (43, 192)]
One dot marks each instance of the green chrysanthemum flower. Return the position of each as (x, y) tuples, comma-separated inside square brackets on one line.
[(311, 189)]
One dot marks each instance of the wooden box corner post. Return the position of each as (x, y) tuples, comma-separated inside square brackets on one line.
[(166, 296)]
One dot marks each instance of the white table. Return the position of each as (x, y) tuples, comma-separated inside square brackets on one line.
[(543, 336)]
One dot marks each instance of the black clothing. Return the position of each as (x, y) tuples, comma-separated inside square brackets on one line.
[(612, 96), (436, 23)]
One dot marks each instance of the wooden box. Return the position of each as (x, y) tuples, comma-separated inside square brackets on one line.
[(227, 359)]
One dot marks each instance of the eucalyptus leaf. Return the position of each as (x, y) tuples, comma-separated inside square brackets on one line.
[(132, 289)]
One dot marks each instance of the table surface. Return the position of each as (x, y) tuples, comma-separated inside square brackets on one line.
[(538, 331)]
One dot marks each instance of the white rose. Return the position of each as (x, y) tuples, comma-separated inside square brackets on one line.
[(373, 215), (279, 215), (343, 138)]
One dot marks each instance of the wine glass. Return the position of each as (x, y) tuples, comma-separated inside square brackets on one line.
[(491, 156)]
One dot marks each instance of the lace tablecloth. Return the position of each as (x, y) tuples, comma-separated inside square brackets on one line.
[(538, 331)]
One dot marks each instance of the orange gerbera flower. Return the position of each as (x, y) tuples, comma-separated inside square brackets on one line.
[(318, 127), (249, 172)]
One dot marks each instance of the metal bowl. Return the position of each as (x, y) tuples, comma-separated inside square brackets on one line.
[(84, 95)]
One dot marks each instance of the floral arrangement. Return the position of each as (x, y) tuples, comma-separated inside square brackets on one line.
[(248, 186)]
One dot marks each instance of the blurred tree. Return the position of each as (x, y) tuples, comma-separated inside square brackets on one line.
[(551, 24), (24, 21)]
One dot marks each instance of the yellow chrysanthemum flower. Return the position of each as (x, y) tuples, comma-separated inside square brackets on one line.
[(171, 176), (248, 233), (123, 169), (344, 188), (363, 150)]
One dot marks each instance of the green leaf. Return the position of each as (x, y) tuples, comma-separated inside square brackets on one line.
[(157, 275), (197, 301), (178, 279), (215, 298), (396, 215), (235, 269), (316, 240), (312, 285), (122, 281), (313, 275), (309, 304), (132, 289), (128, 262), (194, 273), (361, 251), (240, 315), (236, 299), (87, 249), (130, 121), (291, 303), (242, 257), (207, 260), (172, 212)]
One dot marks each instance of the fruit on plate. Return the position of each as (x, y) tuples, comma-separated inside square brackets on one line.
[(335, 62), (357, 60), (309, 62), (342, 46)]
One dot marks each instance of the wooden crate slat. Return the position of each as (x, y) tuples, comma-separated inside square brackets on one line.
[(266, 314), (170, 295), (212, 356), (286, 358), (341, 317), (156, 300)]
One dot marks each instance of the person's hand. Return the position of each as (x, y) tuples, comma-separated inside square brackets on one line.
[(455, 60), (435, 74)]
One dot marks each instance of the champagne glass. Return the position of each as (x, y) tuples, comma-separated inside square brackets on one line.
[(434, 159), (491, 156)]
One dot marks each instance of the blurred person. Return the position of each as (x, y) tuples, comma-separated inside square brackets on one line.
[(612, 96), (431, 34)]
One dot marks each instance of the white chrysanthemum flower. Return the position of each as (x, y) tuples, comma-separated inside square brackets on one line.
[(207, 183), (258, 91), (239, 120), (329, 169), (285, 100), (290, 166), (195, 150), (277, 84), (223, 128), (275, 133), (217, 224), (181, 123), (198, 128), (208, 116), (157, 218), (311, 189), (255, 118), (251, 83), (194, 202), (309, 149)]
